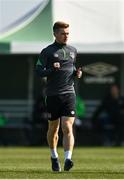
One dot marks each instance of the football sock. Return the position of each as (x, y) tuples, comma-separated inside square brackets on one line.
[(68, 154), (54, 153)]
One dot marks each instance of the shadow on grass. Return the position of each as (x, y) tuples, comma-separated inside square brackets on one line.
[(47, 174), (62, 172)]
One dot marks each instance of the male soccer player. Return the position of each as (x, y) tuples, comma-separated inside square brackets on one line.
[(57, 63)]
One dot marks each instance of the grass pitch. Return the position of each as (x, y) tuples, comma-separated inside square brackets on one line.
[(89, 163)]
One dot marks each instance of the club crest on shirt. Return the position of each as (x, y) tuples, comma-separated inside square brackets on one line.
[(72, 55)]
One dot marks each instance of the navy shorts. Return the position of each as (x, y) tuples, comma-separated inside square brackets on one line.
[(61, 105)]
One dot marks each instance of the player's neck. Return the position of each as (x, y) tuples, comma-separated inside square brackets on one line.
[(59, 43)]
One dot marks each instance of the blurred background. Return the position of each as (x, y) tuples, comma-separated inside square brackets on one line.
[(97, 31)]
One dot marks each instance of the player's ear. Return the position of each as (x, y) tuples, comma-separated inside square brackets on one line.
[(54, 33)]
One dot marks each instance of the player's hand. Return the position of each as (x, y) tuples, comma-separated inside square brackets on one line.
[(56, 65), (79, 72)]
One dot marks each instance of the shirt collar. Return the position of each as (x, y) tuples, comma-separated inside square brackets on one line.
[(59, 45)]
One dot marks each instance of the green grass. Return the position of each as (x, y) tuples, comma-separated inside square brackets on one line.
[(92, 163)]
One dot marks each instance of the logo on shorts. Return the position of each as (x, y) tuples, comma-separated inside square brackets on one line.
[(72, 112)]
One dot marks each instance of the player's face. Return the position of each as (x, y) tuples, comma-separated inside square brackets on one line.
[(62, 35)]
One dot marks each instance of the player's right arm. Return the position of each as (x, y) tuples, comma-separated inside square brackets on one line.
[(41, 65)]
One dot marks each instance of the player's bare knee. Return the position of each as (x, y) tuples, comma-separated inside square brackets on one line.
[(66, 128)]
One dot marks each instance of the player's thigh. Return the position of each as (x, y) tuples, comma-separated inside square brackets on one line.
[(54, 125)]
